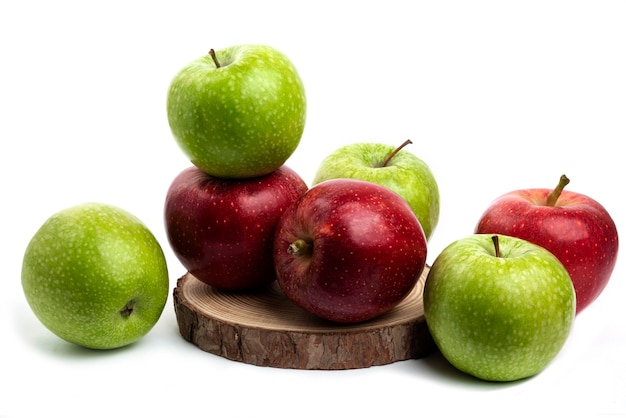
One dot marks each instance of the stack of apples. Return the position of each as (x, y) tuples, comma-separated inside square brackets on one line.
[(238, 114), (347, 249)]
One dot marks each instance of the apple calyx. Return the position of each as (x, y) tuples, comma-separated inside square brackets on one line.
[(300, 248), (554, 195), (496, 245), (395, 151), (127, 310), (212, 54)]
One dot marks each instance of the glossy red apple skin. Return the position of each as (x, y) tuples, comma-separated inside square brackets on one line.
[(368, 250), (577, 230), (222, 230)]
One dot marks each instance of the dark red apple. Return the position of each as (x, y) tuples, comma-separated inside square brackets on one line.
[(222, 230), (575, 228), (349, 250)]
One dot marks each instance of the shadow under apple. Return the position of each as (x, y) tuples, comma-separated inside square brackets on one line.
[(437, 366)]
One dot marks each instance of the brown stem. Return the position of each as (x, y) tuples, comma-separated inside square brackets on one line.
[(496, 244), (300, 247), (395, 151), (212, 54), (554, 196)]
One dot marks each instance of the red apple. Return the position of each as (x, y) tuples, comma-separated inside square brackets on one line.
[(349, 250), (574, 227), (222, 230)]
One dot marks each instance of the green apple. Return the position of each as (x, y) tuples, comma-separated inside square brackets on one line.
[(94, 275), (499, 308), (238, 112), (395, 168)]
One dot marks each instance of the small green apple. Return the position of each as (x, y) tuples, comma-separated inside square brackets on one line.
[(238, 112), (94, 275), (395, 168), (499, 308)]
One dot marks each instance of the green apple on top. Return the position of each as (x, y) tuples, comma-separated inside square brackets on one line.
[(395, 168), (238, 112), (95, 276), (498, 307)]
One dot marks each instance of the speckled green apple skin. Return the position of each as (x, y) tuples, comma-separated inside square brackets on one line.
[(243, 119), (86, 264), (498, 318), (405, 174)]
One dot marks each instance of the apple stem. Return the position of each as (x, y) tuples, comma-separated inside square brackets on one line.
[(300, 248), (212, 54), (496, 244), (554, 196), (395, 151)]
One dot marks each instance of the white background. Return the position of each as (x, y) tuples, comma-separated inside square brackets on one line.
[(495, 96)]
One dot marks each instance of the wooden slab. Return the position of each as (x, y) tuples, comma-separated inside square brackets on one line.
[(267, 329)]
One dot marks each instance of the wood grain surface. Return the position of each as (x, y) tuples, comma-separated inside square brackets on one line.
[(264, 328)]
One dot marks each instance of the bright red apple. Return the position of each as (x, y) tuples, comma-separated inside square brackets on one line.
[(575, 228), (349, 250), (222, 231)]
